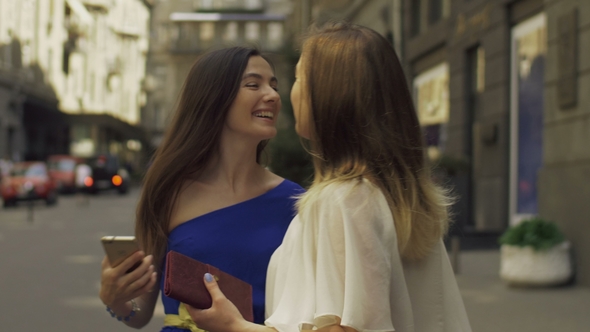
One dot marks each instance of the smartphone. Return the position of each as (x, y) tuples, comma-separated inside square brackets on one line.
[(118, 248)]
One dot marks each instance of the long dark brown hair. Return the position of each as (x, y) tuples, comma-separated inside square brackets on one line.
[(363, 125), (190, 140)]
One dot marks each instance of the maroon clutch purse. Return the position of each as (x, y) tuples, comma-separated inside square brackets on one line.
[(184, 282)]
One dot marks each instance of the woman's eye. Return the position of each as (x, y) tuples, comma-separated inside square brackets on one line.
[(276, 88), (252, 85)]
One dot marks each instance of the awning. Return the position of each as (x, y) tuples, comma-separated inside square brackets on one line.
[(80, 10)]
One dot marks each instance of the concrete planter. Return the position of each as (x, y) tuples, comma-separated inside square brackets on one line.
[(524, 266)]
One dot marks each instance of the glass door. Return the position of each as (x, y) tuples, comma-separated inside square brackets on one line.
[(529, 48)]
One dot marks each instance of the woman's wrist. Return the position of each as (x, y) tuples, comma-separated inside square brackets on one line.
[(123, 311)]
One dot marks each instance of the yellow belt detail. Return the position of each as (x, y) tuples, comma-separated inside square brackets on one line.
[(182, 320)]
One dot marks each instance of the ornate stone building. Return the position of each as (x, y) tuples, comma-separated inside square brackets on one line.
[(71, 74), (182, 30)]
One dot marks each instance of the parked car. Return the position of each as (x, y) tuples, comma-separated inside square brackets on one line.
[(107, 173), (62, 170), (28, 181)]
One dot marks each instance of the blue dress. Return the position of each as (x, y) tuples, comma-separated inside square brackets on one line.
[(238, 239)]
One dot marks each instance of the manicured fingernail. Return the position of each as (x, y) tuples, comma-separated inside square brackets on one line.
[(208, 277)]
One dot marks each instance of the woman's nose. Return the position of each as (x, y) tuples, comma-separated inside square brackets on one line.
[(272, 95)]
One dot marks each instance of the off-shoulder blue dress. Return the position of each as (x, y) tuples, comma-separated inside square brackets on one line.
[(238, 239)]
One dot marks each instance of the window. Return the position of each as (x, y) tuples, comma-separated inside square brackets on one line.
[(231, 31), (50, 63), (275, 34), (431, 91), (252, 31), (415, 17), (207, 31), (529, 51), (206, 4), (426, 13), (435, 11), (253, 4)]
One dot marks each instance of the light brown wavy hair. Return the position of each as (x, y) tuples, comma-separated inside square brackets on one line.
[(364, 125), (190, 140)]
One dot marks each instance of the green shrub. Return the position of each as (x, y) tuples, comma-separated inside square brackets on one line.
[(535, 232)]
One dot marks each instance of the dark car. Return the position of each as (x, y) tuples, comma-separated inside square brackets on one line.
[(28, 181), (107, 174)]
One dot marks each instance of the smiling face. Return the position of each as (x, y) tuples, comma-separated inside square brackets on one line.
[(255, 110), (300, 101)]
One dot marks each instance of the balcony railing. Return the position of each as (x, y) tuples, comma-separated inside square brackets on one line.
[(196, 32), (256, 6)]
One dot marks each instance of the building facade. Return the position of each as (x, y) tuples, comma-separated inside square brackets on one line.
[(182, 30), (499, 90), (73, 73)]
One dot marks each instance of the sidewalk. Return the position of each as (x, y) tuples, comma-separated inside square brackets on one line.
[(493, 306)]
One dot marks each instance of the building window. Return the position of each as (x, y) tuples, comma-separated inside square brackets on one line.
[(425, 13), (529, 50), (275, 35), (252, 32), (206, 4), (50, 64), (431, 91), (231, 32), (415, 9), (207, 31), (253, 4), (184, 36)]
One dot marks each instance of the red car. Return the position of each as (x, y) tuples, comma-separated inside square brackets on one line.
[(62, 170), (28, 181)]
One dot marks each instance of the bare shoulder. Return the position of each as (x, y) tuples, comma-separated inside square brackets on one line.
[(197, 198), (191, 202), (271, 180)]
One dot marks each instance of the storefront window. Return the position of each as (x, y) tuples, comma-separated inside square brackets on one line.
[(529, 47), (431, 92)]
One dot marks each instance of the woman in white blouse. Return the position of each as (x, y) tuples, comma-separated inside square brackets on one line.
[(365, 252)]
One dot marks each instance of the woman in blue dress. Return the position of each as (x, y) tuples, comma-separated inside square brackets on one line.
[(206, 194)]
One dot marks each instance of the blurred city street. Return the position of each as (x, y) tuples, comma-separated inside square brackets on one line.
[(50, 271), (50, 268)]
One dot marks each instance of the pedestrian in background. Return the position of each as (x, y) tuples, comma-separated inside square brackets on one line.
[(5, 167), (365, 252), (83, 177), (206, 194)]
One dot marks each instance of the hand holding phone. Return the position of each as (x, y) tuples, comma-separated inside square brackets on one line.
[(126, 273), (118, 248)]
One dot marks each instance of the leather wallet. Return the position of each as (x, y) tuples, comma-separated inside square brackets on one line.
[(184, 282)]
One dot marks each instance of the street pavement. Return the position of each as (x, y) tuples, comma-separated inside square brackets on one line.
[(50, 275), (50, 267), (493, 306)]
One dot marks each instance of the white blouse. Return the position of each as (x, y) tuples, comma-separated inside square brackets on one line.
[(339, 263)]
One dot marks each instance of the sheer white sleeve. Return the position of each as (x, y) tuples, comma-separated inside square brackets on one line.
[(346, 246)]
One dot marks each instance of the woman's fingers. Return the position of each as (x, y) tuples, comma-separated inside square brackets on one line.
[(118, 285), (150, 286), (131, 261), (213, 287), (140, 269), (223, 314), (142, 281)]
